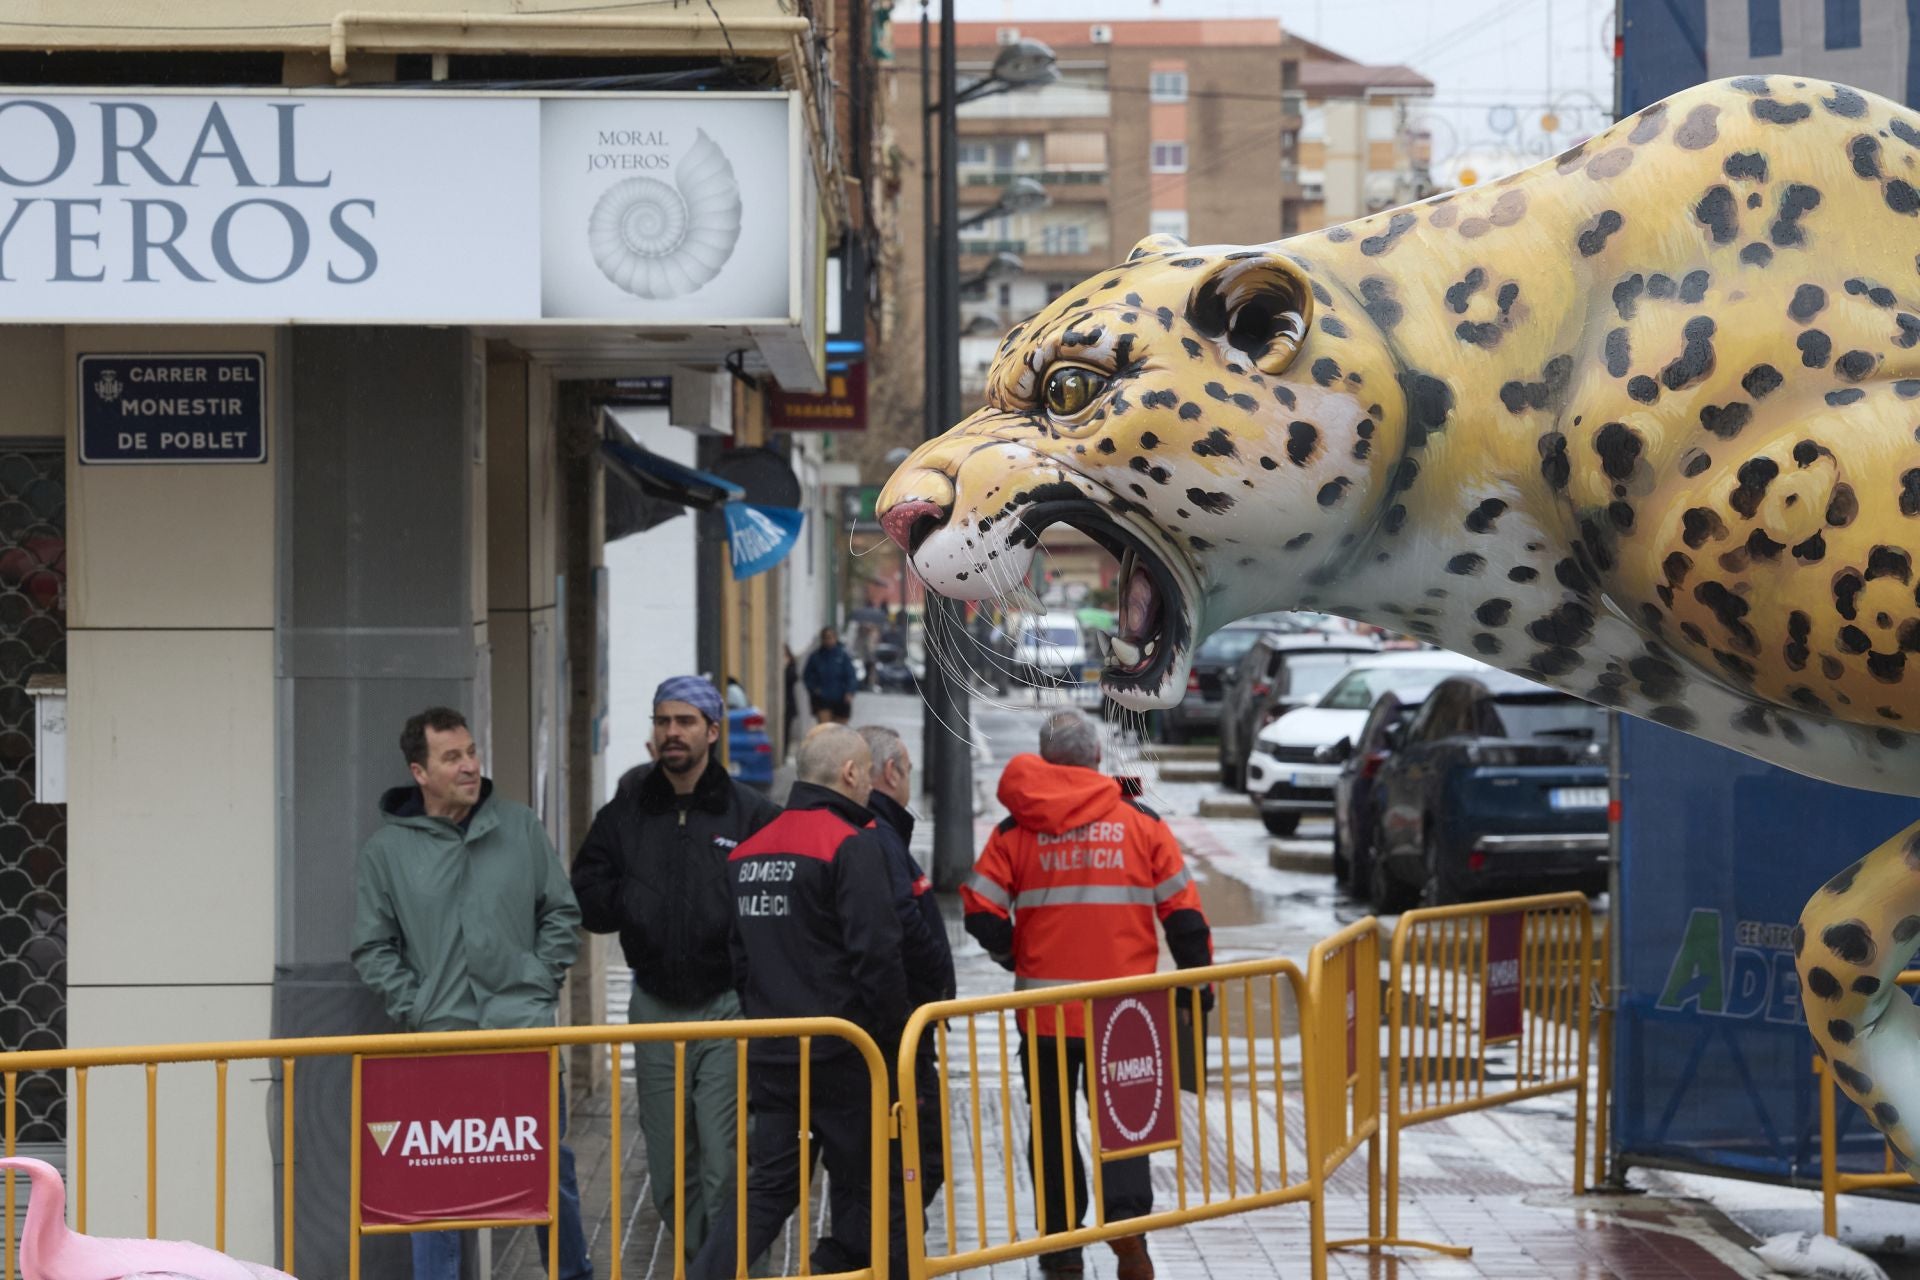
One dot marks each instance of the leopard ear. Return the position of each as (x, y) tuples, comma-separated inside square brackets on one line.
[(1258, 303), (1156, 243)]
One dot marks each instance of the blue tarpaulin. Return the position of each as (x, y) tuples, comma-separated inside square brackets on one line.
[(1718, 853)]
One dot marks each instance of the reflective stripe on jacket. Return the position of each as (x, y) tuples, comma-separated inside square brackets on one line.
[(1084, 878)]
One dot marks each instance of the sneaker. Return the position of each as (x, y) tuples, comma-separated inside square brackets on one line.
[(1132, 1254)]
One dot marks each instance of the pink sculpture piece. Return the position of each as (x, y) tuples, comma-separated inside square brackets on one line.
[(49, 1251)]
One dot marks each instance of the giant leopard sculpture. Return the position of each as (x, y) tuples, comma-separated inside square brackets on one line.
[(1641, 422)]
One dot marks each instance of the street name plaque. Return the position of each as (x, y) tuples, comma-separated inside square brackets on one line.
[(173, 408)]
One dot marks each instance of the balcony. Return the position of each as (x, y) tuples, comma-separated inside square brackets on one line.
[(985, 248), (1046, 177)]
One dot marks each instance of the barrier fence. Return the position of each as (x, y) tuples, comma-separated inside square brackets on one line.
[(1833, 1182), (364, 1050), (1241, 1146), (1487, 1003)]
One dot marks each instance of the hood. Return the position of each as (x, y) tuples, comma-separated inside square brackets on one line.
[(398, 804), (1313, 727), (1052, 798)]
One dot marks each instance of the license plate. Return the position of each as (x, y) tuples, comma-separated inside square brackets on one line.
[(1316, 781), (1577, 798)]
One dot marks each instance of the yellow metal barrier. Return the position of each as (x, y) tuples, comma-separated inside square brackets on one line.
[(1251, 1011), (1344, 994), (1439, 1050), (287, 1052), (1833, 1183)]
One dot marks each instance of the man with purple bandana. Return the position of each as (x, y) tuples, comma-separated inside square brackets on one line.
[(654, 869)]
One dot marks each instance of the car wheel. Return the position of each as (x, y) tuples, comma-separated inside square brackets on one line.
[(1438, 888), (1342, 862), (1388, 895), (1281, 824)]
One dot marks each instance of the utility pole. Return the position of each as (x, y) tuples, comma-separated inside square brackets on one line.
[(949, 747)]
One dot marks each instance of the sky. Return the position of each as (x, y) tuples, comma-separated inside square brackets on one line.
[(1497, 65)]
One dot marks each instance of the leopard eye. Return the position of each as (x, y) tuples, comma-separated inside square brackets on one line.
[(1071, 389)]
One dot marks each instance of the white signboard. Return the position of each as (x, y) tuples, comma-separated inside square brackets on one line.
[(639, 210)]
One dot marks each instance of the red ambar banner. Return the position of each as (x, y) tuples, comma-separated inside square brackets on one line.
[(1501, 1017), (454, 1137), (1133, 1068)]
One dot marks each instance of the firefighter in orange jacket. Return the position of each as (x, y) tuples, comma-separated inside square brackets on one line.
[(1068, 889)]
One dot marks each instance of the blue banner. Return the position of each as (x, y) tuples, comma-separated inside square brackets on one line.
[(760, 537), (1718, 853)]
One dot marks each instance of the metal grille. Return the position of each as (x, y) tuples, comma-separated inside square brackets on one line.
[(33, 837)]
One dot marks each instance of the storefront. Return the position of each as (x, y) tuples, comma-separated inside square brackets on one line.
[(304, 389)]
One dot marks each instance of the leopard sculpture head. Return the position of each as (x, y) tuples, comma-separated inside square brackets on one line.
[(1162, 409)]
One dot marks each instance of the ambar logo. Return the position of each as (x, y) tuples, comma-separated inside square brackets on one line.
[(466, 1136)]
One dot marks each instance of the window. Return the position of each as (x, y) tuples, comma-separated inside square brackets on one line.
[(1383, 124), (1006, 296), (1169, 157), (977, 154), (1057, 287), (1167, 222), (1063, 238), (1311, 674), (1313, 124), (1358, 690), (1169, 86)]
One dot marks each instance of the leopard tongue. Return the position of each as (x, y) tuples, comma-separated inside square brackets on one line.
[(1137, 604)]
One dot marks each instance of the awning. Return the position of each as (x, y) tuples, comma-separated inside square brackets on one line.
[(651, 489)]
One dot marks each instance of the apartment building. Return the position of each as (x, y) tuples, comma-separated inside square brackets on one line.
[(1355, 143)]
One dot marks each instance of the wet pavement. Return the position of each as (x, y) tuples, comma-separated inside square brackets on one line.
[(1497, 1180)]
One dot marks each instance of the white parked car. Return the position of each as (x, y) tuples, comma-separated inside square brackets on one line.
[(1051, 650), (1285, 775)]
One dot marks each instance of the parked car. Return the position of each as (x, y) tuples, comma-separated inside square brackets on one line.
[(749, 749), (1291, 774), (1199, 710), (1050, 650), (1282, 670), (1498, 785)]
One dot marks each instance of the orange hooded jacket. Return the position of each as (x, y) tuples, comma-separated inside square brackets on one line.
[(1071, 883)]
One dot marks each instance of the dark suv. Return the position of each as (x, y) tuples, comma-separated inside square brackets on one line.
[(1282, 670), (1199, 712)]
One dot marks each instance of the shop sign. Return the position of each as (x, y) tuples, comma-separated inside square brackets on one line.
[(842, 408), (173, 408), (1502, 1016), (1133, 1066), (454, 1137), (334, 205)]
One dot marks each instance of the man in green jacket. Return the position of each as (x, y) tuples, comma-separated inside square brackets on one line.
[(464, 920)]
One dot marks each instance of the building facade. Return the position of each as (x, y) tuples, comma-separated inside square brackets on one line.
[(310, 324)]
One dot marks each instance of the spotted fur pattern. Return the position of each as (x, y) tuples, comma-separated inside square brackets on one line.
[(1642, 422)]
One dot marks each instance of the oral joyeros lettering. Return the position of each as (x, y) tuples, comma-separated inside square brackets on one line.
[(110, 147)]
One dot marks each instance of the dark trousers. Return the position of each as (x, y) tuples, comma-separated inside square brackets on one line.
[(839, 1121), (1128, 1184)]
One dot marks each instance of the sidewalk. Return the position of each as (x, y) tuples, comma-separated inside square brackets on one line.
[(1497, 1180)]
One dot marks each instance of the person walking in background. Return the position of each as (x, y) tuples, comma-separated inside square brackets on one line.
[(654, 869), (815, 935), (831, 680), (1068, 889), (923, 931), (464, 921), (790, 675)]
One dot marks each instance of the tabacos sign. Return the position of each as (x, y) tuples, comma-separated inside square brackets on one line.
[(454, 1137)]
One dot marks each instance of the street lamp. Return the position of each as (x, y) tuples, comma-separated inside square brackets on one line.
[(999, 267), (1022, 195), (1024, 64)]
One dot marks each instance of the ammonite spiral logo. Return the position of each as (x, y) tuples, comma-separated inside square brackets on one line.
[(660, 241)]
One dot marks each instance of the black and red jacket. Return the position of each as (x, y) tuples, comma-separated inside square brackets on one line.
[(814, 930)]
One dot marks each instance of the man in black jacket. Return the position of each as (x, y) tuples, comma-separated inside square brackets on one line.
[(923, 932), (654, 867), (815, 935)]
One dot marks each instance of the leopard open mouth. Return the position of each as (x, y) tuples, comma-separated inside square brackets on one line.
[(1153, 630)]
